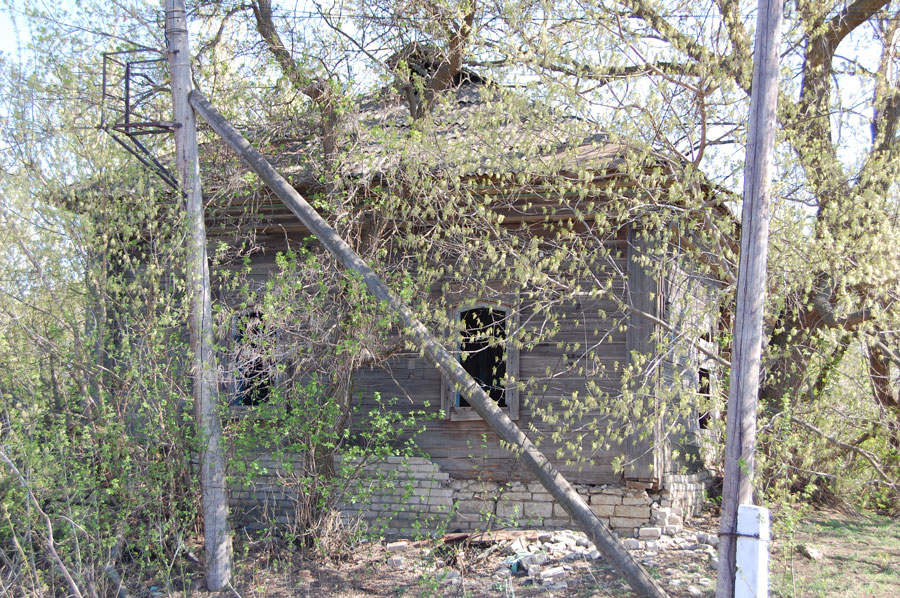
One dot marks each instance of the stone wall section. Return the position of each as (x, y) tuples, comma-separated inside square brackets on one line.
[(269, 498), (411, 496), (406, 496), (398, 496)]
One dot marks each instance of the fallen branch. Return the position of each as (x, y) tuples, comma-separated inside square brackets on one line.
[(854, 449)]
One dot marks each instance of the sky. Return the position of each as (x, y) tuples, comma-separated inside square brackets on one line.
[(12, 26), (7, 33)]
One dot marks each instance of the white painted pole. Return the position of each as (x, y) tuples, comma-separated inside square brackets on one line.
[(752, 552)]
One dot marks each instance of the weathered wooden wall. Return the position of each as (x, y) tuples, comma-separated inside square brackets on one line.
[(692, 307), (588, 347), (594, 342)]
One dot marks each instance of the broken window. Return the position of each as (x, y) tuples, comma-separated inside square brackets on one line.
[(704, 402), (484, 353), (253, 362)]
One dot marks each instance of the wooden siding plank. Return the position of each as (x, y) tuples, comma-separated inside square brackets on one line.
[(642, 450)]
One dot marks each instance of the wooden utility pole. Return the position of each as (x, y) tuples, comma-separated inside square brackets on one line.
[(217, 537), (740, 434), (449, 366)]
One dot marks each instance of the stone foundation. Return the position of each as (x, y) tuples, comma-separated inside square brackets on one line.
[(403, 497), (268, 498), (686, 492), (410, 496)]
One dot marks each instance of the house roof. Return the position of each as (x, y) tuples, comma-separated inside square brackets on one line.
[(473, 132), (474, 135)]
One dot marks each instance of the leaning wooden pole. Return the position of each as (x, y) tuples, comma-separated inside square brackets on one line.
[(217, 537), (493, 416), (743, 393)]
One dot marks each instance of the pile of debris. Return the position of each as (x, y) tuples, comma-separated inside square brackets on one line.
[(549, 558), (531, 555)]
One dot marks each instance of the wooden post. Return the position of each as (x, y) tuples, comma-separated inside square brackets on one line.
[(740, 434), (217, 538), (493, 416)]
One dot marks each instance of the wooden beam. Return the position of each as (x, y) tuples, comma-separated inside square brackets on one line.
[(743, 393), (214, 498)]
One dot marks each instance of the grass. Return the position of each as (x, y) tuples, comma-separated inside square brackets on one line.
[(861, 559)]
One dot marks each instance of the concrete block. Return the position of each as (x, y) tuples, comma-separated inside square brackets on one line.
[(509, 509), (538, 509), (400, 546), (538, 558), (650, 533), (626, 523), (552, 573), (612, 490), (437, 493), (473, 506), (605, 499), (636, 500), (520, 496), (642, 513), (558, 523), (603, 510)]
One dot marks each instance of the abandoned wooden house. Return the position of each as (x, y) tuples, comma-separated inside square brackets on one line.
[(590, 317)]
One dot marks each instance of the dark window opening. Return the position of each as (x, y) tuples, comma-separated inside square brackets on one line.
[(484, 353), (253, 371), (704, 390)]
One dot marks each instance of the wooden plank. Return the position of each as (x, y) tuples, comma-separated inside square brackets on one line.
[(644, 293)]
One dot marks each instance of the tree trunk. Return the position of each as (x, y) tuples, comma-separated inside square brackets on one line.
[(493, 416), (880, 375), (217, 537)]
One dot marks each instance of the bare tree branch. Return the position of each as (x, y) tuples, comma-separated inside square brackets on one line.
[(48, 541), (740, 72), (825, 309), (854, 449), (737, 33), (317, 90)]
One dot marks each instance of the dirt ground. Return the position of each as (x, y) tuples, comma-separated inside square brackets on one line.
[(477, 569), (828, 554), (832, 553)]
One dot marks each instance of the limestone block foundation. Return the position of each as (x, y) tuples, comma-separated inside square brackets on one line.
[(412, 496)]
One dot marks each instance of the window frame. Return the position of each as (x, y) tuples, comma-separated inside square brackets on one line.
[(235, 400), (707, 374), (449, 396)]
